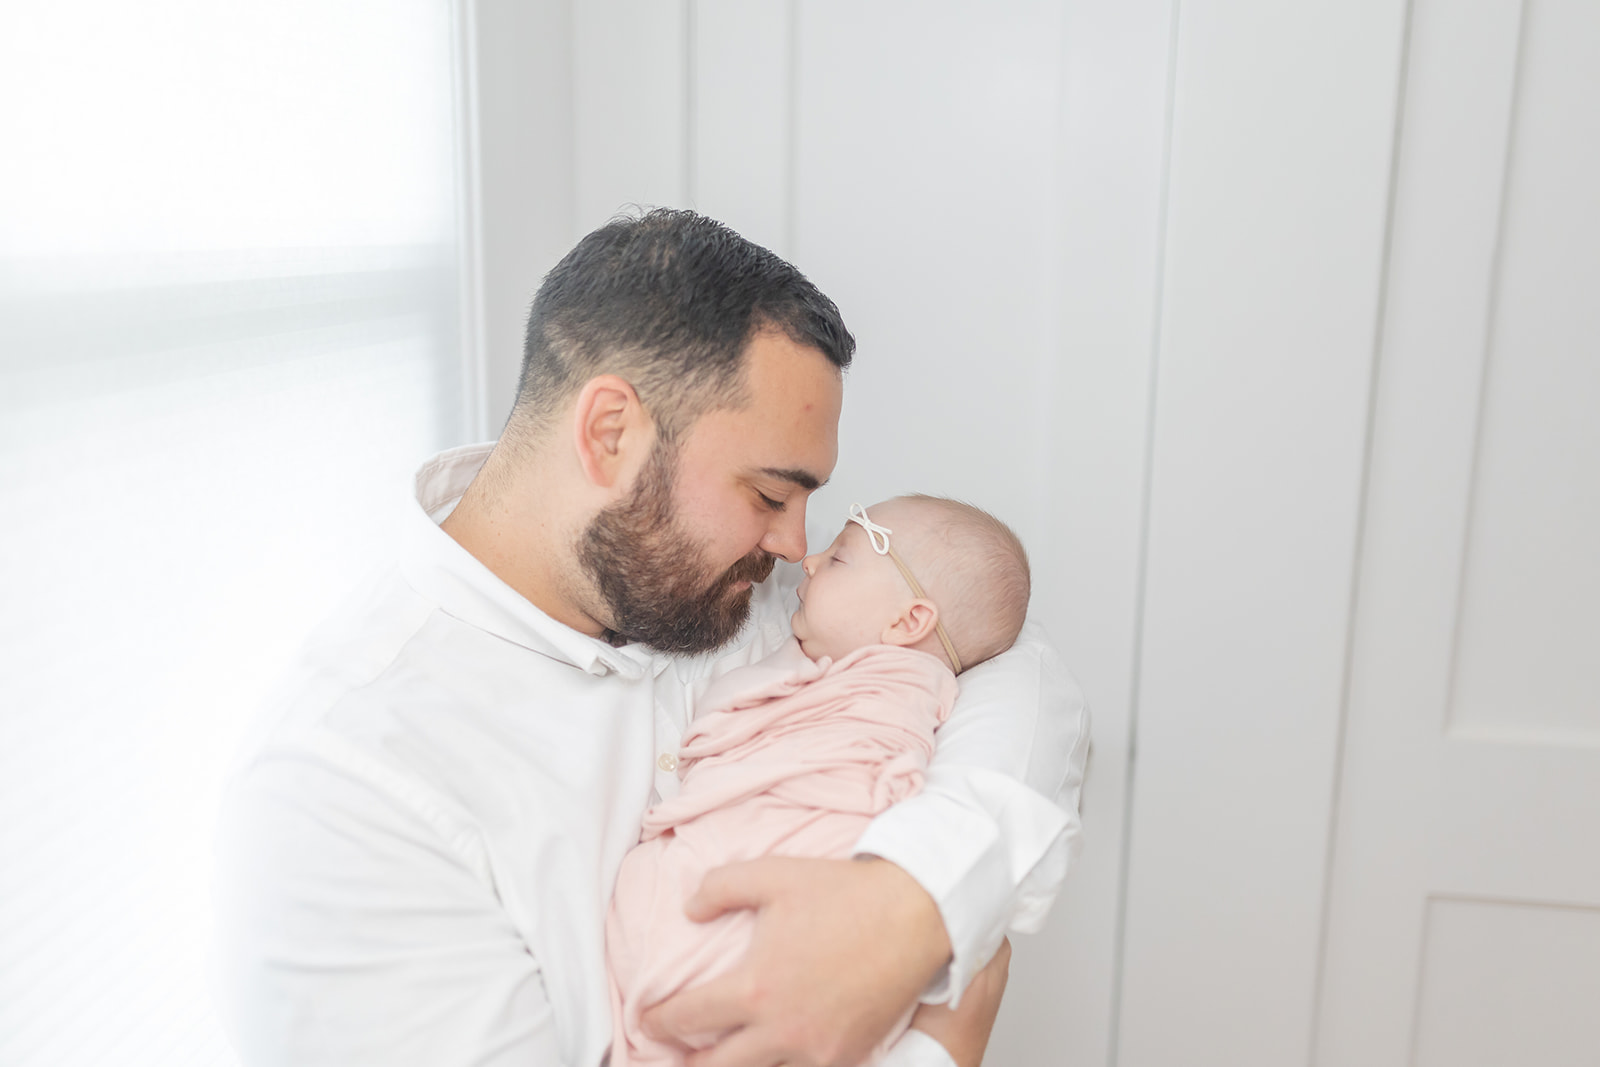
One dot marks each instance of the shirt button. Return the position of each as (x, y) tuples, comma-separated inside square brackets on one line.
[(667, 762)]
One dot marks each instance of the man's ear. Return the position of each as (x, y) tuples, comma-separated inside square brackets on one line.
[(913, 624), (611, 430)]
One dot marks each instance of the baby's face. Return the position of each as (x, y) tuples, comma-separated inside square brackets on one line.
[(849, 595)]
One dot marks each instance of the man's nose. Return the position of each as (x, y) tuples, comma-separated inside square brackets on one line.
[(786, 537)]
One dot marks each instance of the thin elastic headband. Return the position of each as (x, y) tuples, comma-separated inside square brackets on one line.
[(878, 536)]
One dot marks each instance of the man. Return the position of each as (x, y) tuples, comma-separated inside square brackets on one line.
[(417, 851)]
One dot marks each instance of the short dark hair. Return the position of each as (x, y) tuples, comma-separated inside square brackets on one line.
[(669, 300)]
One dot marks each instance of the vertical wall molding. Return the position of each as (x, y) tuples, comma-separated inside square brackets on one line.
[(1485, 350), (469, 222), (691, 133), (518, 185), (1278, 178), (1341, 735), (1147, 481)]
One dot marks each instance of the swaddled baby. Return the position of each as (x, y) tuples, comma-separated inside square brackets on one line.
[(795, 754)]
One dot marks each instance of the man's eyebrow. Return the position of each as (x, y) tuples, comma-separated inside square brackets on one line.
[(804, 479)]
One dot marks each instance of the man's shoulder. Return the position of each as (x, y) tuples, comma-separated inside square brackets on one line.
[(348, 650), (409, 697), (391, 661)]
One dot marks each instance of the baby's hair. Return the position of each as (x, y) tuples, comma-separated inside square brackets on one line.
[(975, 569)]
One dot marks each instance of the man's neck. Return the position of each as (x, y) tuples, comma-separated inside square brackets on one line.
[(500, 523)]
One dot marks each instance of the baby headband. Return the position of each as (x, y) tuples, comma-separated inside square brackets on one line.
[(878, 536)]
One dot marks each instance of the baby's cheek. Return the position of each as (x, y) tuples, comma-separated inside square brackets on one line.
[(862, 632)]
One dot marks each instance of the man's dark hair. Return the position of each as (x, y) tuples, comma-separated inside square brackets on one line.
[(667, 300)]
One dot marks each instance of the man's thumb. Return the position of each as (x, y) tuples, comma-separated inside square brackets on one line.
[(731, 888)]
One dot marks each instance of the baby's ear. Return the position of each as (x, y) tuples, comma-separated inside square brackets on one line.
[(913, 624)]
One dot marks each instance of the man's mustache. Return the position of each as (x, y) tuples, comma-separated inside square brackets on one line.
[(754, 569)]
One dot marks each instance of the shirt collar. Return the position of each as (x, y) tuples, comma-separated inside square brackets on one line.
[(440, 569)]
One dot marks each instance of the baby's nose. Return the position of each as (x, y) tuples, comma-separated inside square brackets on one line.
[(809, 564)]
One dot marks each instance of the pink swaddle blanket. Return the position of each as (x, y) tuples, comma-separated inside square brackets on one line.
[(792, 758)]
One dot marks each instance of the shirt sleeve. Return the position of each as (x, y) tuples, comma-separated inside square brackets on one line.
[(992, 833), (355, 929), (916, 1049)]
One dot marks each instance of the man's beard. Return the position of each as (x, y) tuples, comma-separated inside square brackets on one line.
[(652, 576)]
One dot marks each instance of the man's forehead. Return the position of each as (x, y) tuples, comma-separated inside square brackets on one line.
[(794, 390), (787, 431)]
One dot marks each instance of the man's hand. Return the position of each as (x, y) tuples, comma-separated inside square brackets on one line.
[(842, 949), (964, 1031)]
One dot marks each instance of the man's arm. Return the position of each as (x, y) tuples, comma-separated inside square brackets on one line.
[(841, 950), (351, 932), (992, 833), (943, 1035)]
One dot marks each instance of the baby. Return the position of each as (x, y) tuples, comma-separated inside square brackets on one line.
[(795, 754)]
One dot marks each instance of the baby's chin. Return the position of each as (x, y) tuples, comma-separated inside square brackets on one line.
[(808, 648)]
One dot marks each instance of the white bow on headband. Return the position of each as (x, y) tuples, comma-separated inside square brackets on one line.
[(878, 535), (879, 538)]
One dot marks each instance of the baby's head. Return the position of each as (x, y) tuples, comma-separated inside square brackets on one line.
[(968, 576)]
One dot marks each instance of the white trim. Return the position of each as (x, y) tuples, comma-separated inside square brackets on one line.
[(469, 222)]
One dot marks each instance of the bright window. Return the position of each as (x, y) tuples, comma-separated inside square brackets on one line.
[(227, 336)]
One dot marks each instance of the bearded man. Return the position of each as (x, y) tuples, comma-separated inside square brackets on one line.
[(417, 851)]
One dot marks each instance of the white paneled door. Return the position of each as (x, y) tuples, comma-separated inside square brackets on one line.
[(1464, 910)]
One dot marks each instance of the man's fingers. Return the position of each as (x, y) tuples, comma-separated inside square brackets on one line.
[(738, 885), (706, 1009), (743, 1048)]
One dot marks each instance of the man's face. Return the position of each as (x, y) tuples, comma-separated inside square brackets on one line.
[(674, 562)]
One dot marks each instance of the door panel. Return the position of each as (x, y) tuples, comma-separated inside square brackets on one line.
[(1466, 878), (1508, 984)]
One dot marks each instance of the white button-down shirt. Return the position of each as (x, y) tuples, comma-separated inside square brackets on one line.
[(418, 846)]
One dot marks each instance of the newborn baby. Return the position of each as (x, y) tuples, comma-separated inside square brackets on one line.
[(795, 754)]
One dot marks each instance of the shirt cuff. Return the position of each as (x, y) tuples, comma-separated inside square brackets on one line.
[(948, 838), (916, 1049)]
